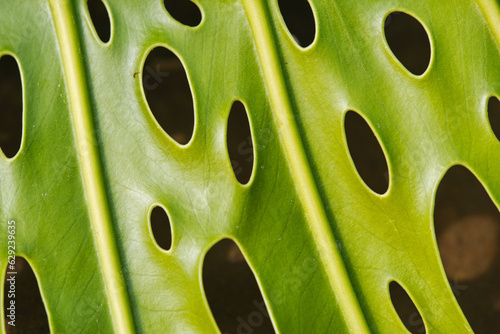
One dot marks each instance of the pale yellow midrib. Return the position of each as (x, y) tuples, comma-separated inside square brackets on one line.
[(491, 12), (301, 172), (88, 154)]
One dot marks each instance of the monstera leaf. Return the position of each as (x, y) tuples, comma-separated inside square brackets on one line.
[(322, 245)]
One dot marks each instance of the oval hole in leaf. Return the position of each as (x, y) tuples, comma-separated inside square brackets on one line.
[(240, 143), (494, 115), (30, 313), (161, 228), (100, 19), (168, 93), (232, 291), (299, 20), (366, 153), (11, 106), (466, 223), (406, 309), (408, 41), (184, 11)]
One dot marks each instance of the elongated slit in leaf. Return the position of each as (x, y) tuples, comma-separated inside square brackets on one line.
[(408, 41), (232, 291), (366, 153), (406, 309), (11, 106), (467, 227), (168, 93), (184, 11), (240, 143), (161, 227), (299, 20), (21, 290), (100, 19), (494, 115)]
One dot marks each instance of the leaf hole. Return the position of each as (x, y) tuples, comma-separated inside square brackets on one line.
[(22, 300), (168, 94), (366, 153), (494, 115), (232, 291), (240, 143), (100, 19), (161, 227), (467, 227), (299, 20), (184, 11), (408, 41), (11, 106), (406, 309)]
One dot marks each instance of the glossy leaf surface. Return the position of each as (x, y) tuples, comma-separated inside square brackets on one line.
[(323, 248)]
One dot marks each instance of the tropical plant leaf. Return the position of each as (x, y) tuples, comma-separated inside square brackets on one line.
[(322, 245)]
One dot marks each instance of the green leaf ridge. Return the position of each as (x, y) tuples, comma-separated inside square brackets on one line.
[(322, 246), (94, 184)]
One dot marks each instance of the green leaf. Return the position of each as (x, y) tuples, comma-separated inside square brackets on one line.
[(322, 245)]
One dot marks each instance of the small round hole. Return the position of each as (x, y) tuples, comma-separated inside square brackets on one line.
[(366, 153), (240, 143), (100, 19), (232, 291), (184, 11), (168, 94), (408, 41), (406, 309), (494, 115), (299, 20), (161, 228), (11, 106)]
